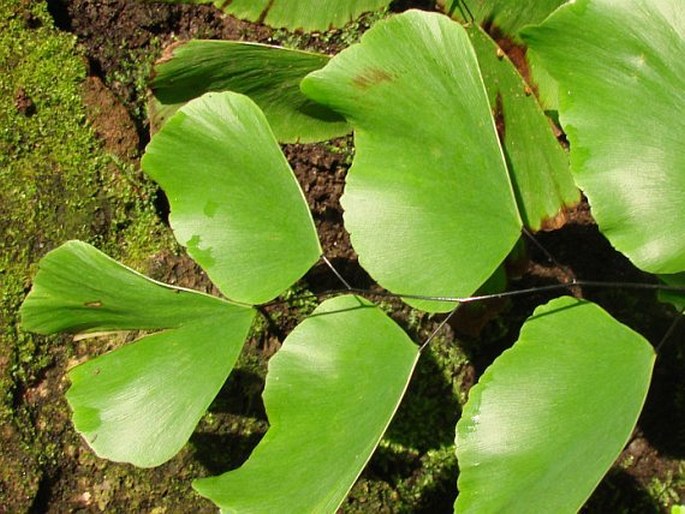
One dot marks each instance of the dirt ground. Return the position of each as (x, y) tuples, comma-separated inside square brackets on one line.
[(116, 36)]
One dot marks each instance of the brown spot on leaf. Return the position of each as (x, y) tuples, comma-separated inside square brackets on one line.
[(372, 77), (167, 54), (555, 222), (95, 305), (575, 212)]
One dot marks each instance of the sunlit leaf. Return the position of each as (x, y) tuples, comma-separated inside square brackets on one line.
[(549, 417), (141, 402), (269, 75), (235, 202), (622, 102), (538, 164), (330, 394), (80, 289), (428, 201)]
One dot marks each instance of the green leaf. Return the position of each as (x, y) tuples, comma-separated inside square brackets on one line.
[(80, 289), (235, 202), (547, 87), (330, 394), (623, 117), (538, 165), (269, 75), (549, 417), (509, 16), (141, 402), (428, 201), (308, 15)]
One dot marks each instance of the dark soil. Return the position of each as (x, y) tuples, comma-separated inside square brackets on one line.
[(23, 103), (110, 119), (111, 31)]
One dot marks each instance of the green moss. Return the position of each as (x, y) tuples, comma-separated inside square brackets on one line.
[(301, 299), (668, 490), (58, 184), (134, 67)]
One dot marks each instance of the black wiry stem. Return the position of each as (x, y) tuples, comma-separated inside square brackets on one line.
[(505, 294), (336, 273), (439, 327), (670, 330)]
